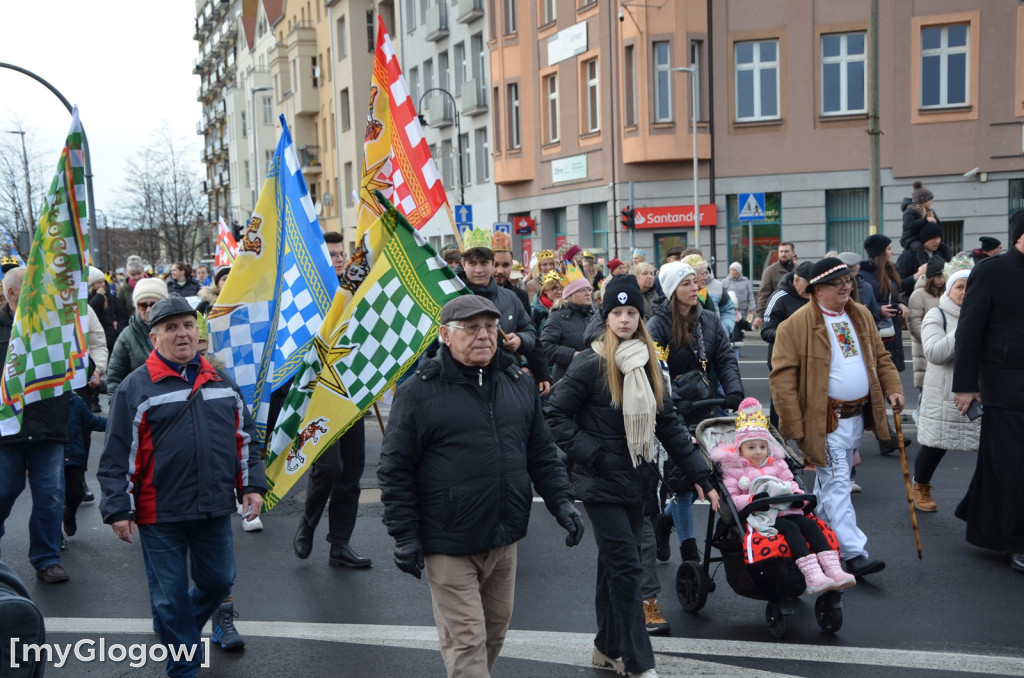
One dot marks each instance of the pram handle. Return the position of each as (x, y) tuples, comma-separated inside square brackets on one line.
[(810, 502), (710, 402)]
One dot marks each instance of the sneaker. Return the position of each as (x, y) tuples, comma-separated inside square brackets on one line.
[(655, 623), (649, 673), (855, 488), (224, 633), (254, 525), (52, 574)]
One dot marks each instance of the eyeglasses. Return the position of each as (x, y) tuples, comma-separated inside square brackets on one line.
[(490, 328), (845, 282), (146, 304)]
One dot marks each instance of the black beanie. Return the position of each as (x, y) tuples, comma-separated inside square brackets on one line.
[(621, 290), (988, 244), (929, 231), (934, 267), (876, 244), (1016, 227)]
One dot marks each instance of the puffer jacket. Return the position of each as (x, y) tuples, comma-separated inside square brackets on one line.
[(783, 303), (921, 301), (458, 459), (911, 260), (131, 350), (744, 291), (204, 457), (189, 288), (940, 423), (80, 420), (563, 334), (735, 467), (591, 431)]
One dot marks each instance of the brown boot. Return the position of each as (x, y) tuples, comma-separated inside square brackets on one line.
[(654, 622), (923, 497)]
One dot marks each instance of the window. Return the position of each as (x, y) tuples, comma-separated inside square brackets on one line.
[(496, 120), (459, 54), (757, 80), (513, 116), (483, 155), (248, 174), (549, 11), (551, 88), (662, 60), (843, 83), (342, 39), (478, 55), (245, 129), (442, 82), (371, 33), (346, 116), (428, 75), (410, 15), (424, 4), (629, 86), (593, 96), (944, 52), (349, 185), (268, 110), (846, 219), (510, 16), (315, 70), (414, 86), (696, 49), (447, 175)]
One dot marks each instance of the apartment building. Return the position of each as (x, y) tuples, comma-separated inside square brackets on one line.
[(444, 57)]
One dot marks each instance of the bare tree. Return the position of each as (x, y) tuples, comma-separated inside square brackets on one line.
[(162, 200), (14, 200)]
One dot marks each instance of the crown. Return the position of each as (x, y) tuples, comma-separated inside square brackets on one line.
[(9, 260), (545, 254), (961, 262), (501, 242), (477, 237), (751, 418), (693, 260), (552, 276), (572, 274)]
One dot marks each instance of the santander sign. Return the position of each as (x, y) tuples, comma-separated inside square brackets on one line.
[(674, 216)]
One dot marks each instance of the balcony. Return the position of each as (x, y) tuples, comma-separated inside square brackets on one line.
[(439, 113), (470, 10), (437, 22), (309, 158), (474, 98)]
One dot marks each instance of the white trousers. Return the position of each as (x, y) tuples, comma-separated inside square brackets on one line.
[(832, 485)]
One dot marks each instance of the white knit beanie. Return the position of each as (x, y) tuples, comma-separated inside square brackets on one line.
[(95, 275), (149, 288), (671, 274)]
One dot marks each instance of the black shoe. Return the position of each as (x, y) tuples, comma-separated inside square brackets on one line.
[(689, 551), (1017, 561), (225, 635), (662, 535), (862, 565), (70, 524), (87, 495), (53, 574), (303, 542), (95, 407), (342, 554)]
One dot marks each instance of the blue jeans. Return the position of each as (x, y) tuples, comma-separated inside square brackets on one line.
[(680, 508), (44, 462), (170, 550)]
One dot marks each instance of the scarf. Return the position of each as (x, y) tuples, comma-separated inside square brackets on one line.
[(545, 302), (638, 404)]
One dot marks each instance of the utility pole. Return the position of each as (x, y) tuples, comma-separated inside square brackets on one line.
[(28, 184), (874, 131)]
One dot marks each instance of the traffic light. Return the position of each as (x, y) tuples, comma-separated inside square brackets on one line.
[(627, 218)]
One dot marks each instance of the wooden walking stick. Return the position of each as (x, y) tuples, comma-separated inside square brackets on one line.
[(906, 481), (380, 419)]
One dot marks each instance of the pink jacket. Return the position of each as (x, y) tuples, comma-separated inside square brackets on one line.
[(734, 467)]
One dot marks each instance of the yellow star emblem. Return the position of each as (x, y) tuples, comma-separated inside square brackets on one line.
[(371, 183), (330, 355)]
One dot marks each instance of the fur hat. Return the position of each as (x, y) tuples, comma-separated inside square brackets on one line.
[(959, 267), (622, 290), (671, 274), (153, 289), (929, 231), (920, 194), (751, 423), (988, 244), (876, 244)]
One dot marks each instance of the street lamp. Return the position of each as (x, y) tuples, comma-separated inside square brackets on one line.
[(458, 134), (692, 70), (28, 185), (255, 142)]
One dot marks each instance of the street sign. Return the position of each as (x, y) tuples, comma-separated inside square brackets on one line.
[(463, 227), (503, 227), (751, 206), (464, 214)]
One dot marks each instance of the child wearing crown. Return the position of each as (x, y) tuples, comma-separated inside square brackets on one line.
[(753, 467)]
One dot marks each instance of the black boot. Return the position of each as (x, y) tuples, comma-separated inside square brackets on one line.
[(303, 542), (689, 551), (342, 554), (87, 495), (662, 535)]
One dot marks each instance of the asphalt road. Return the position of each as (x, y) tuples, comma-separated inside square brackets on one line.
[(954, 612)]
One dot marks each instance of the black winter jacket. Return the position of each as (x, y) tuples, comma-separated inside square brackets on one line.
[(563, 334), (783, 303), (895, 345), (43, 420), (911, 259), (591, 431), (457, 459), (913, 222), (514, 318), (189, 288)]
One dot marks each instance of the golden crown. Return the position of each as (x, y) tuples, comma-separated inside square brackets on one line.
[(572, 274), (693, 260), (751, 418), (545, 254), (10, 260), (551, 276), (501, 242), (477, 237)]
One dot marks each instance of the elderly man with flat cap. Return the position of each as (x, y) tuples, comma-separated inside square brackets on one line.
[(180, 444), (466, 444), (830, 375)]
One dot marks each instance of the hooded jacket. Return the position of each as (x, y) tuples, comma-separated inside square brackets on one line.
[(785, 302), (735, 468), (562, 336), (911, 259)]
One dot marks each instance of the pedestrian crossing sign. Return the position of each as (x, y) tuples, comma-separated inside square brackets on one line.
[(751, 206)]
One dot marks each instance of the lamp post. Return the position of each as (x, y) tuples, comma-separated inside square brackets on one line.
[(255, 142), (692, 70), (28, 184), (458, 134)]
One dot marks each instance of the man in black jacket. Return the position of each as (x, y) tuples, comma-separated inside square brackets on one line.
[(784, 302), (465, 438)]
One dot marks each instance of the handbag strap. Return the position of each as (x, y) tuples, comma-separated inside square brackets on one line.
[(702, 356)]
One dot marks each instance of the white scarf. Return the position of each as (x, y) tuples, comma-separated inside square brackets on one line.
[(638, 404)]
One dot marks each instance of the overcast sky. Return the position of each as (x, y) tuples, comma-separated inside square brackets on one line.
[(127, 64)]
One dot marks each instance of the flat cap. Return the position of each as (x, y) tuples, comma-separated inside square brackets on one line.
[(466, 306), (168, 308)]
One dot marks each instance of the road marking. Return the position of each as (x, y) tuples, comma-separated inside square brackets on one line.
[(573, 649)]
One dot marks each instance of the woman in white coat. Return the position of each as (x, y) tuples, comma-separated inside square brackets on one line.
[(941, 427)]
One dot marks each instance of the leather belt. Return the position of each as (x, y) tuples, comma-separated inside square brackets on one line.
[(844, 409)]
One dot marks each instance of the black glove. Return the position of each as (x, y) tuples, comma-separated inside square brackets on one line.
[(733, 400), (569, 517), (759, 495), (409, 555), (686, 410)]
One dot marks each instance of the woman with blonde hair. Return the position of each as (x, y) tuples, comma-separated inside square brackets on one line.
[(604, 413)]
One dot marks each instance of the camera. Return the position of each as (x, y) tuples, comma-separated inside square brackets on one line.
[(622, 15)]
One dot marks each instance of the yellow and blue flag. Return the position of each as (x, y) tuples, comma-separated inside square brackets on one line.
[(280, 288)]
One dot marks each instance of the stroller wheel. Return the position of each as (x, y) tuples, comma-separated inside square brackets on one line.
[(828, 611), (692, 586), (779, 623)]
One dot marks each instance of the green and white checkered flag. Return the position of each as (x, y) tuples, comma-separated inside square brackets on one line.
[(46, 354)]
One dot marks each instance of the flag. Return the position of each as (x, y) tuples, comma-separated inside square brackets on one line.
[(361, 350), (46, 354), (279, 290), (227, 248)]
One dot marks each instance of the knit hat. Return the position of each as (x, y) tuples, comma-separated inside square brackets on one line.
[(622, 290), (751, 422), (920, 194), (988, 244), (1016, 227), (221, 272), (804, 269), (876, 244), (849, 258), (934, 267), (153, 289), (929, 231), (95, 276), (614, 264), (571, 253), (639, 253), (959, 267), (671, 274)]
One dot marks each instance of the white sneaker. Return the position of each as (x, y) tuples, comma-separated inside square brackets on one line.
[(254, 525), (854, 487), (649, 673), (603, 661)]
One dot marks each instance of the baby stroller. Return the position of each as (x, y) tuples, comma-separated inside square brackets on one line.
[(754, 568)]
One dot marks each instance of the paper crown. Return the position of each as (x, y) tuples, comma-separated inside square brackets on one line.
[(693, 260), (9, 260), (551, 276), (572, 274), (545, 254), (751, 422), (477, 237), (501, 242), (961, 262)]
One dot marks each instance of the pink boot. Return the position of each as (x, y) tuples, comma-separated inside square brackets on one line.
[(815, 578), (829, 561)]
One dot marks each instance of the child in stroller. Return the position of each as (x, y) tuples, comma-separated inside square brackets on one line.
[(753, 467)]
